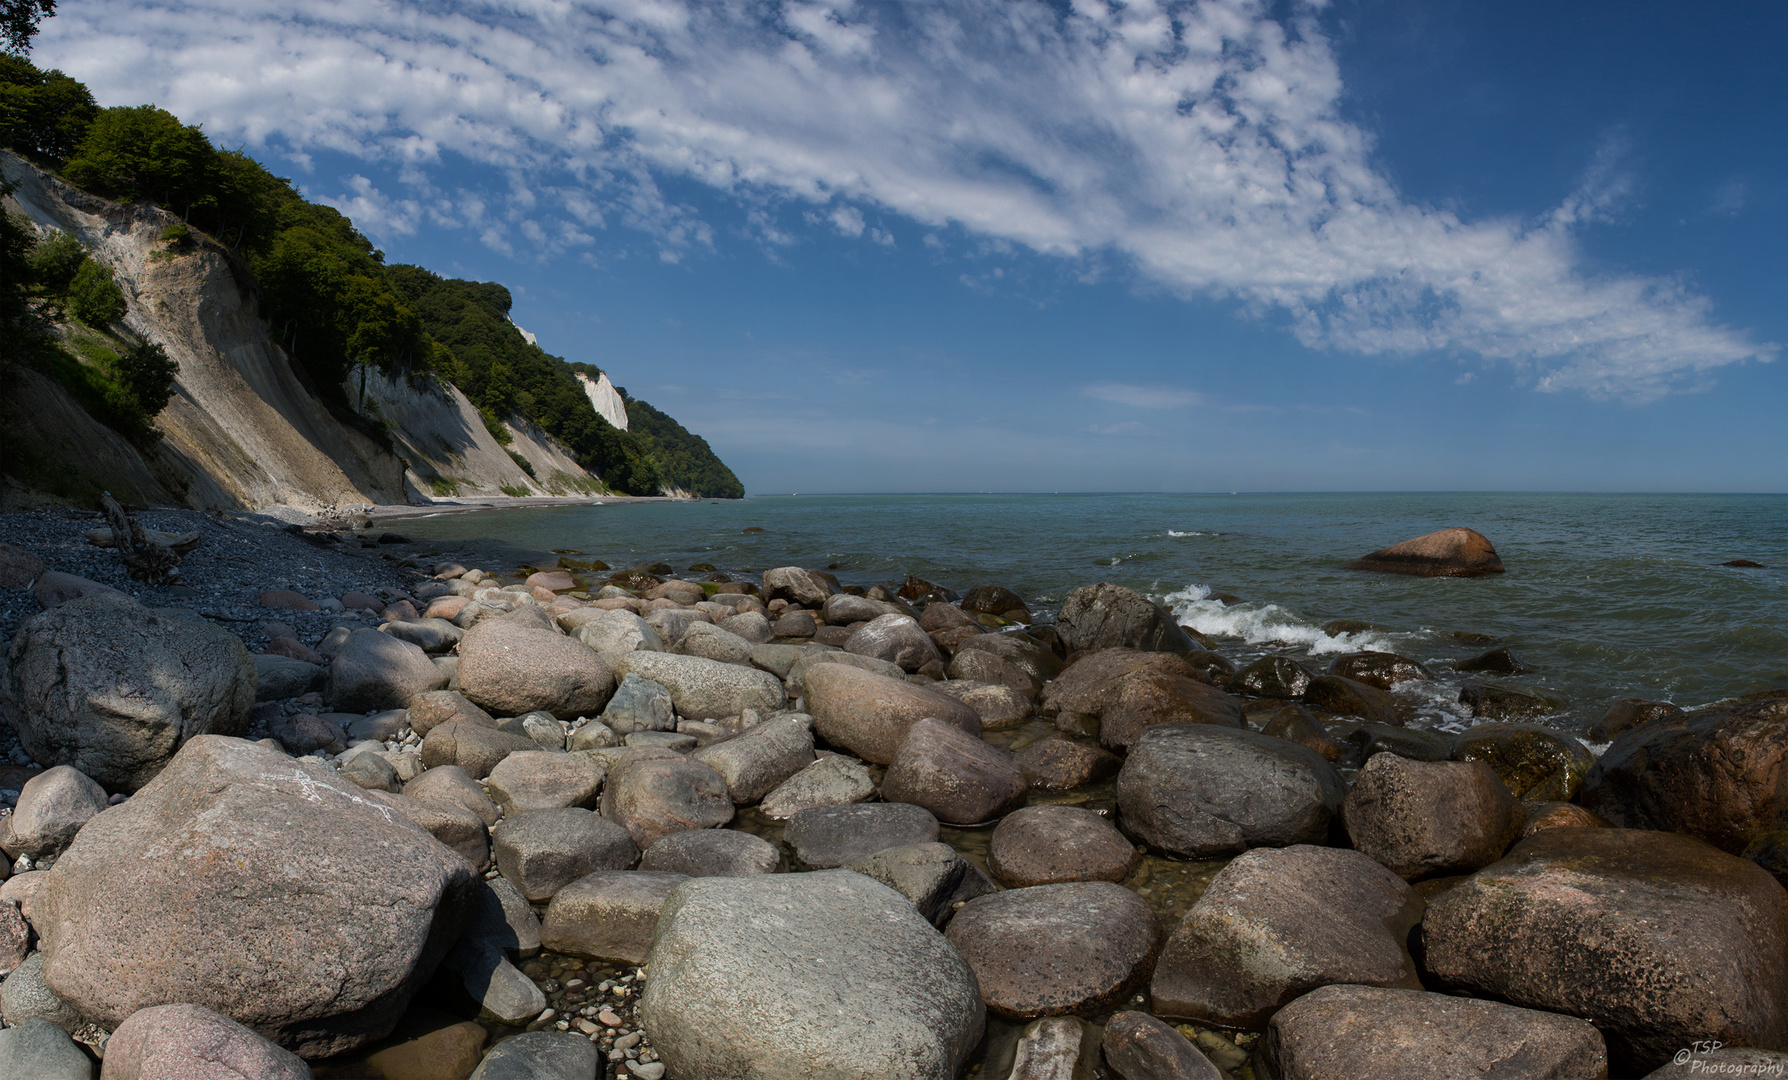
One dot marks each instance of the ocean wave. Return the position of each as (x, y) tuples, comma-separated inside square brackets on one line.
[(1267, 624), (1178, 535)]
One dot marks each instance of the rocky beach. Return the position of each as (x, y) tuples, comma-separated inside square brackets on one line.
[(326, 804)]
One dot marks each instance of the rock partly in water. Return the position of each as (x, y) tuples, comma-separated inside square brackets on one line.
[(934, 876), (1536, 763), (541, 1055), (846, 980), (1107, 616), (1044, 845), (1139, 1047), (1452, 552)]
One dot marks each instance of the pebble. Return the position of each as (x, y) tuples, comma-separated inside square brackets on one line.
[(608, 1019)]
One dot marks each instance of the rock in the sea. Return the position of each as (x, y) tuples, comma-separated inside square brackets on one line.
[(1373, 1033), (1448, 553), (829, 836), (1348, 697), (509, 669), (609, 916), (1271, 677), (52, 807), (107, 686), (703, 689), (896, 639), (1054, 949), (1659, 939), (191, 1040), (654, 796), (1425, 819), (1536, 763), (300, 905), (1719, 773), (1295, 723), (1044, 845), (958, 777), (933, 876), (807, 588), (1504, 703), (1624, 716), (1139, 1047), (371, 670), (1204, 792), (541, 1055), (39, 1050), (1381, 669), (846, 979), (1277, 923), (831, 781), (544, 780), (711, 853), (870, 714), (1107, 616), (543, 851), (1125, 691)]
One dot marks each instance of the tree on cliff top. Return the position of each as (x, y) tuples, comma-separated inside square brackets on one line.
[(18, 23), (143, 153)]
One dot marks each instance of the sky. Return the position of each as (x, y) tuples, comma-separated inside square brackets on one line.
[(1067, 246)]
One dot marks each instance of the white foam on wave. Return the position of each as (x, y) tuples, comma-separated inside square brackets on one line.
[(1176, 535), (1266, 624)]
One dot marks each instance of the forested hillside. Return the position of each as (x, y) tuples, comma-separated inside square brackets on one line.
[(323, 288)]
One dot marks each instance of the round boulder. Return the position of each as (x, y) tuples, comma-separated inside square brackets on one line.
[(958, 777), (870, 714), (1044, 845), (1425, 819), (824, 837), (1107, 616), (1056, 949), (191, 1040), (1452, 552), (1536, 763), (652, 797), (371, 670), (510, 669), (711, 853), (896, 639)]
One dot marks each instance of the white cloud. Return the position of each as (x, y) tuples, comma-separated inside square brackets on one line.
[(1203, 145), (1144, 397)]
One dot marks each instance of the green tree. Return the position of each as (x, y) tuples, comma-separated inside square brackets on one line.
[(148, 373), (144, 153), (93, 297), (55, 261), (18, 23), (43, 114), (22, 329)]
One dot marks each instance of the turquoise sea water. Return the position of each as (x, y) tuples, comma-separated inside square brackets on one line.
[(1606, 596)]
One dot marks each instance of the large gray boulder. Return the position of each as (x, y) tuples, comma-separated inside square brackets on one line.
[(612, 634), (824, 837), (955, 775), (705, 689), (107, 686), (870, 714), (934, 876), (190, 1040), (1660, 939), (509, 669), (808, 588), (896, 639), (473, 747), (52, 807), (544, 780), (797, 672), (1278, 922), (834, 780), (845, 979), (543, 851), (639, 705), (25, 996), (1205, 792), (1045, 845), (298, 904), (712, 853), (1345, 1032), (610, 915), (280, 677), (1107, 616), (756, 760), (541, 1055), (1428, 818), (653, 796), (710, 641), (371, 671), (431, 710)]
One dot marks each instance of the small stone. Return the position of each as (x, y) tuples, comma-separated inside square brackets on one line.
[(608, 1019)]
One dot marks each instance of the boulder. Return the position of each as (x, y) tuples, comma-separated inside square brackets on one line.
[(652, 797), (1277, 923), (191, 1040), (431, 710), (755, 761), (1452, 552), (453, 824), (992, 600), (833, 780), (592, 735), (25, 996), (551, 581), (1139, 1047), (543, 851), (53, 588), (501, 990), (509, 669), (1107, 616), (1054, 949), (15, 937), (846, 980), (280, 677), (429, 635), (1503, 703), (473, 747), (114, 690), (301, 905), (1425, 819), (544, 780), (1058, 763), (639, 705), (541, 1055), (958, 777), (1050, 1049), (1381, 669), (933, 876), (609, 916), (1534, 762), (710, 641), (1043, 845), (1000, 708), (704, 689), (503, 919), (52, 807), (18, 567), (1498, 661), (1368, 740), (1558, 815), (1294, 723), (39, 1050), (1624, 716), (1719, 773), (612, 633), (780, 660), (870, 714), (1375, 1033), (1271, 677), (1337, 696), (816, 654), (1148, 698), (711, 853), (896, 639), (824, 837), (1659, 939), (1203, 792), (794, 624), (750, 625), (806, 588), (371, 670), (372, 772), (450, 783), (980, 665)]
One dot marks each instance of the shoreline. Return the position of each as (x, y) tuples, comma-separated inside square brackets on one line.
[(392, 512)]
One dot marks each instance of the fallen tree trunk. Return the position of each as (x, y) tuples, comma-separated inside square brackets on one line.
[(146, 558)]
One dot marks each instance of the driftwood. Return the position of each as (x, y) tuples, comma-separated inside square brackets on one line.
[(182, 543), (145, 557)]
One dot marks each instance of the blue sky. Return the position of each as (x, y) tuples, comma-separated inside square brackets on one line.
[(1069, 246)]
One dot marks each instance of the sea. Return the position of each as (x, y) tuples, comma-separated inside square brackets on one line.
[(1605, 596)]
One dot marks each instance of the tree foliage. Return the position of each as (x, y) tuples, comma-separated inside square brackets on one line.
[(18, 23), (43, 114), (55, 261), (148, 373), (93, 297), (684, 458)]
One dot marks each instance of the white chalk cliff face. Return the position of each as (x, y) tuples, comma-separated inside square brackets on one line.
[(605, 399)]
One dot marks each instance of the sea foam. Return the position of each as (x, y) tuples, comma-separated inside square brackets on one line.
[(1266, 624)]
